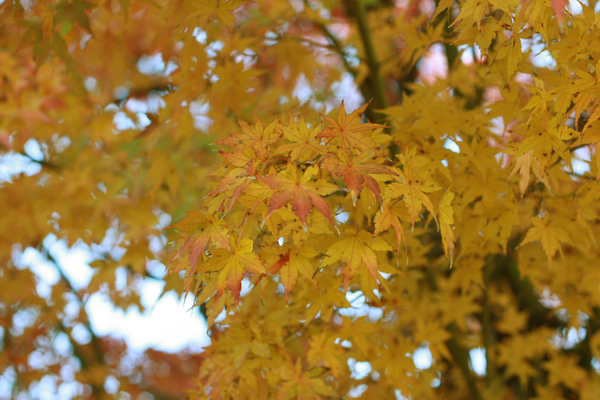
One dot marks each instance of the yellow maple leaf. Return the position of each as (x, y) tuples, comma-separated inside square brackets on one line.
[(414, 192), (302, 385), (304, 140), (548, 233), (388, 216), (354, 250), (201, 230), (232, 266), (446, 221), (524, 164), (295, 261)]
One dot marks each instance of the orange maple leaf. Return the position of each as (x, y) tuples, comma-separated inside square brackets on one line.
[(233, 265), (301, 191), (349, 129), (356, 171), (201, 229)]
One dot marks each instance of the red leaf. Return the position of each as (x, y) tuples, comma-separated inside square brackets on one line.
[(356, 171), (301, 191)]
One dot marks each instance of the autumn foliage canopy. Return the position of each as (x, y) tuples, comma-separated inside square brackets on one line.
[(365, 198)]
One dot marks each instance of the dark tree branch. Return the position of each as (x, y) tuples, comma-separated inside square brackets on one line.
[(378, 86), (459, 353)]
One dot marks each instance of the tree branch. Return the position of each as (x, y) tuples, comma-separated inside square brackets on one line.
[(374, 66), (458, 353), (94, 339), (488, 331), (336, 45), (524, 291)]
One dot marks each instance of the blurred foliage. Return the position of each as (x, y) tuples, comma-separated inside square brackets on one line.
[(485, 175)]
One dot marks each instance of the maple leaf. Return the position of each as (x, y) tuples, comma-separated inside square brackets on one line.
[(302, 192), (548, 233), (233, 181), (328, 298), (414, 187), (304, 141), (302, 385), (433, 332), (357, 171), (207, 9), (514, 353), (354, 250), (201, 229), (524, 164), (233, 265), (542, 140), (349, 130), (446, 221), (295, 261), (390, 215), (563, 369), (240, 157), (257, 137), (323, 348)]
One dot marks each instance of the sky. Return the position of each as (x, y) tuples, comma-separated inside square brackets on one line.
[(167, 323)]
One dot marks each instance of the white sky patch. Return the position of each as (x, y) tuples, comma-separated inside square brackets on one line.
[(581, 160), (434, 65), (575, 7), (342, 217), (451, 145), (360, 369), (422, 358), (302, 92), (13, 163), (347, 91), (478, 360), (359, 307), (73, 261), (166, 325), (151, 65), (32, 149), (122, 121), (469, 54)]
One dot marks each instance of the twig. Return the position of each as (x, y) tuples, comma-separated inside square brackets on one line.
[(337, 46)]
